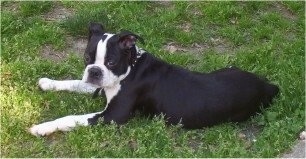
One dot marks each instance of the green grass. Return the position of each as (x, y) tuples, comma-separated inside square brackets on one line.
[(257, 36)]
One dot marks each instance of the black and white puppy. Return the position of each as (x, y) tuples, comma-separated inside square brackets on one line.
[(133, 79)]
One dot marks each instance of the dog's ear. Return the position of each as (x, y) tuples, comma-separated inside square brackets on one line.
[(95, 28), (128, 39)]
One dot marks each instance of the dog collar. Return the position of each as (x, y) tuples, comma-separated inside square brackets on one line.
[(139, 52)]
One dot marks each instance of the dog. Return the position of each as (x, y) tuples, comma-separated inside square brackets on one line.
[(134, 80)]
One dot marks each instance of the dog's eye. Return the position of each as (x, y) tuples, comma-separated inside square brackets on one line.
[(110, 63)]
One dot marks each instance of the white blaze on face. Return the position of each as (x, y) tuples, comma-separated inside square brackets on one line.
[(101, 50), (109, 80)]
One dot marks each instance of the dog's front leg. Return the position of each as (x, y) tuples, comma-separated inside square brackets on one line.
[(118, 110), (66, 85), (111, 115), (66, 123)]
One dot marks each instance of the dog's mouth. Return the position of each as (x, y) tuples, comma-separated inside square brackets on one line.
[(94, 82)]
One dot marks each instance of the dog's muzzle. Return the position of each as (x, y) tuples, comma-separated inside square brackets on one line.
[(95, 75)]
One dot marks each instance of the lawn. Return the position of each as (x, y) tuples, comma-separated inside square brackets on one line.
[(47, 39)]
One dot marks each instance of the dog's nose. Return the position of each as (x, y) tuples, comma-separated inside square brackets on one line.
[(95, 72)]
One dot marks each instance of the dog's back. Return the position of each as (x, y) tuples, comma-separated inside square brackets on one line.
[(249, 92), (269, 91), (197, 100)]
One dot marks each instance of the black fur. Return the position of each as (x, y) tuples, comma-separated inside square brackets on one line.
[(193, 99)]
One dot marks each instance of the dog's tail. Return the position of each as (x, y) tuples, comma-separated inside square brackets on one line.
[(271, 91)]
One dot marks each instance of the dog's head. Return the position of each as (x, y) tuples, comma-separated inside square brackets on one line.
[(108, 57)]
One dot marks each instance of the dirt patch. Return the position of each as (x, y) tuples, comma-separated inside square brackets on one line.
[(197, 12), (58, 13), (79, 46), (220, 45), (75, 46), (217, 45), (165, 3), (10, 6), (195, 144), (49, 53), (279, 7), (186, 27), (194, 9), (285, 11), (133, 145), (195, 48), (249, 135)]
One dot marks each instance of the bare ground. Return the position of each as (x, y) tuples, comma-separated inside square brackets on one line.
[(217, 45), (74, 45), (285, 12), (11, 6), (58, 13)]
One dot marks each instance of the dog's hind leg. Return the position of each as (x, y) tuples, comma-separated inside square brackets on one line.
[(66, 123), (66, 85)]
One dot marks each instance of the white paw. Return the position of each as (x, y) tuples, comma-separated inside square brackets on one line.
[(46, 84), (43, 129)]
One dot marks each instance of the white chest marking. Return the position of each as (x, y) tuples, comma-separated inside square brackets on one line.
[(111, 92)]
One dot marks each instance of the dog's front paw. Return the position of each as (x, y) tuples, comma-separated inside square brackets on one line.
[(46, 84), (42, 129)]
